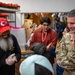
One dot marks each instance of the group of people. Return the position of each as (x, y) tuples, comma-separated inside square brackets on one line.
[(44, 45)]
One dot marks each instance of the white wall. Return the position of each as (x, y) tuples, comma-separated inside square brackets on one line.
[(40, 6), (44, 5)]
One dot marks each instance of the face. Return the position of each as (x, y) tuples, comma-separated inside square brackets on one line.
[(45, 26), (5, 34), (71, 23)]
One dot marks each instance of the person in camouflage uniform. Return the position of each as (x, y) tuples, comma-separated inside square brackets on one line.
[(65, 51)]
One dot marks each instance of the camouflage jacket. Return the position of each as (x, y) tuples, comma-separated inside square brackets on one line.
[(65, 52)]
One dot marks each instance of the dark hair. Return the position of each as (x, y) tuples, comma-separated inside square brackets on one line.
[(45, 19), (71, 13), (40, 49), (41, 70)]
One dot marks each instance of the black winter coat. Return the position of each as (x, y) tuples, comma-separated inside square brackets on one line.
[(4, 68)]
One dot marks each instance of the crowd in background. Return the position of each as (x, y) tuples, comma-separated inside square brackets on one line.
[(50, 56)]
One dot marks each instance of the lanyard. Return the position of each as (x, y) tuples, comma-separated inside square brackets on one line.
[(44, 37)]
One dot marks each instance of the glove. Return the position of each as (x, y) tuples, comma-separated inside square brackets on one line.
[(14, 59), (11, 59)]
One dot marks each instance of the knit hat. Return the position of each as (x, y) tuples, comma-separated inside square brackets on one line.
[(27, 67), (4, 25), (38, 48)]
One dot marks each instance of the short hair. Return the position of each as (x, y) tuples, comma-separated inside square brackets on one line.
[(41, 70), (45, 19), (40, 49), (71, 13)]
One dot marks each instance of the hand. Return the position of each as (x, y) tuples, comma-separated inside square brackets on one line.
[(11, 59), (14, 59), (49, 46)]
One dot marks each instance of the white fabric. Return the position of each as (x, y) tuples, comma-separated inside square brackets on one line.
[(28, 42), (27, 67)]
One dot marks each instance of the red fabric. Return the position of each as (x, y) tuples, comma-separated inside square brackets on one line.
[(4, 25), (51, 37), (44, 37), (3, 15)]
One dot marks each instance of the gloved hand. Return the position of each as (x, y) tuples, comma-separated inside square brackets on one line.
[(14, 59), (11, 59)]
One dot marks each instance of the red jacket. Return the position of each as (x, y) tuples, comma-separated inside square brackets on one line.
[(51, 37)]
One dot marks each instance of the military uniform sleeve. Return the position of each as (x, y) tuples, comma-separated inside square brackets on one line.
[(65, 53), (61, 52)]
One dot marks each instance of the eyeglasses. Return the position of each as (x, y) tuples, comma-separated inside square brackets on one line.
[(46, 24)]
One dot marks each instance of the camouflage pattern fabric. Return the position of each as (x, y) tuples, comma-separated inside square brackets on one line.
[(65, 53), (68, 72)]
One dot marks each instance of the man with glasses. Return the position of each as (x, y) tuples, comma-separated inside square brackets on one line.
[(46, 36)]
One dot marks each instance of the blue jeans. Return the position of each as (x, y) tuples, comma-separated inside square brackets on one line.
[(52, 55), (52, 52), (59, 70)]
